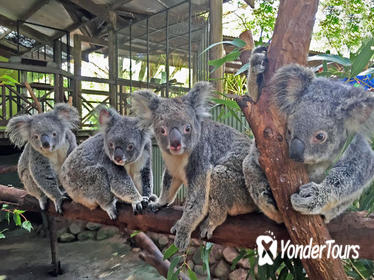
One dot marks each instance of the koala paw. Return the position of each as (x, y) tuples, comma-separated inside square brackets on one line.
[(155, 206), (310, 200), (206, 231), (153, 198), (137, 208), (182, 236), (145, 202)]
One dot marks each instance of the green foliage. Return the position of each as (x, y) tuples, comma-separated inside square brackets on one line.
[(17, 217), (348, 67), (178, 263), (345, 23)]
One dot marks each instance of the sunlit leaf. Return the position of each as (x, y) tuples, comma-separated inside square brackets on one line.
[(236, 42), (27, 225), (332, 58), (220, 61), (242, 69), (170, 251), (191, 274), (363, 57)]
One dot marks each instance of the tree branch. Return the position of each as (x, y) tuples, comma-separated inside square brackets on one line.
[(239, 231), (290, 44)]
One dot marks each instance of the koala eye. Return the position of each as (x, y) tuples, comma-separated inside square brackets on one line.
[(35, 136), (187, 129), (54, 134), (130, 147), (111, 145), (320, 137), (163, 130)]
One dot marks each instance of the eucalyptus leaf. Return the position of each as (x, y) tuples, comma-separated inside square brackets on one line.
[(332, 58), (170, 251), (236, 42)]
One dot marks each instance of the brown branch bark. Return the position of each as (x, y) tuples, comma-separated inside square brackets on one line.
[(239, 231), (290, 44), (33, 96), (153, 256), (7, 169)]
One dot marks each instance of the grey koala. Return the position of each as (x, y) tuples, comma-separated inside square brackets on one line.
[(49, 141), (204, 155), (115, 163), (329, 125)]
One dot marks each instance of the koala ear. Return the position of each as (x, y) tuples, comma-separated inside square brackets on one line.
[(18, 129), (144, 103), (358, 111), (67, 113), (106, 116), (198, 98), (288, 85)]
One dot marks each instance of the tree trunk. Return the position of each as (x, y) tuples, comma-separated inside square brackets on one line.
[(290, 44)]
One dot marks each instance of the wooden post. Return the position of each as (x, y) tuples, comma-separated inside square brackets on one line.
[(58, 86), (77, 56), (215, 34), (113, 60), (290, 44)]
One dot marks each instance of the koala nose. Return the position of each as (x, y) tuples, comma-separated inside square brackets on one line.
[(118, 155), (45, 141), (296, 151), (175, 138)]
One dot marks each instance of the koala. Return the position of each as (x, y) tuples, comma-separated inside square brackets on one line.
[(204, 155), (49, 140), (329, 125), (258, 63), (113, 164)]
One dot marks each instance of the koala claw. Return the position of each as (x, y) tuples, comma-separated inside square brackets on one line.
[(206, 231), (145, 202), (154, 206), (58, 203), (310, 199), (137, 208)]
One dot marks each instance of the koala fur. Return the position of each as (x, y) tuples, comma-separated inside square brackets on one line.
[(115, 163), (204, 155), (49, 140), (323, 117)]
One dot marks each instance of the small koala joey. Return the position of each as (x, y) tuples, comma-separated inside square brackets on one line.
[(329, 125), (204, 155), (113, 164), (49, 140)]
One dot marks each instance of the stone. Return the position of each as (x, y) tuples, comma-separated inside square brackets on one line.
[(230, 253), (76, 227), (106, 232), (62, 230), (199, 269), (93, 226), (66, 237), (238, 274), (85, 235), (222, 269), (163, 241), (215, 254), (136, 250), (244, 263), (196, 257)]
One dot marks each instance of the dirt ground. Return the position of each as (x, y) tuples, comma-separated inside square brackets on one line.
[(26, 256)]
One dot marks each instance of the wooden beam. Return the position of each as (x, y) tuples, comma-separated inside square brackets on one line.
[(356, 228), (77, 56), (216, 35), (290, 44), (33, 9)]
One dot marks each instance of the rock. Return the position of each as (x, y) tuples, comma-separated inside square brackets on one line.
[(85, 235), (66, 237), (106, 232), (230, 253), (238, 274), (199, 269), (163, 241), (76, 227), (93, 226), (222, 269), (61, 231), (196, 258), (244, 263), (215, 254)]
